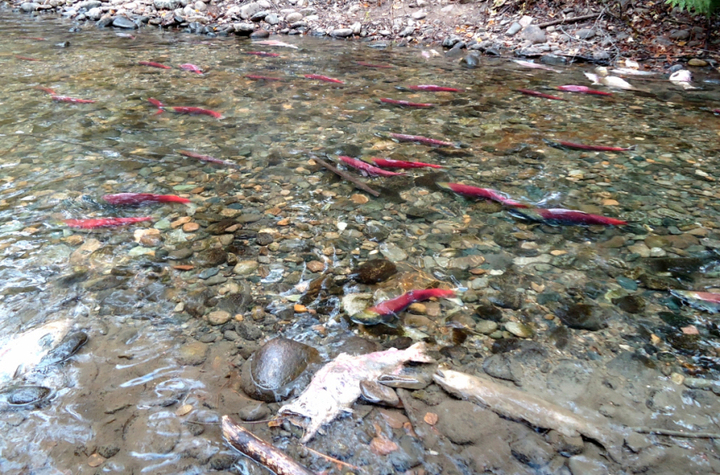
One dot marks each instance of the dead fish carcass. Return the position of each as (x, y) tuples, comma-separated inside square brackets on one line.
[(337, 385)]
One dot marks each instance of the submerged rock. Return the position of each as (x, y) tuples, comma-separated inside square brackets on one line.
[(374, 271), (581, 317), (277, 370)]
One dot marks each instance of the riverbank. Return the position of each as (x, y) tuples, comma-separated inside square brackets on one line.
[(652, 34)]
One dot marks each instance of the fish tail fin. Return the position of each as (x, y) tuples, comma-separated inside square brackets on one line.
[(174, 199), (444, 185), (156, 103)]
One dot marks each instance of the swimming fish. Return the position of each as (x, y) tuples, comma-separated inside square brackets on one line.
[(71, 100), (153, 64), (396, 102), (140, 198), (207, 158), (561, 217), (583, 90), (48, 90), (422, 140), (104, 222), (433, 88), (25, 58), (707, 301), (336, 386), (320, 77), (386, 311), (388, 163), (366, 167), (184, 110), (191, 67), (530, 92), (486, 193), (595, 148)]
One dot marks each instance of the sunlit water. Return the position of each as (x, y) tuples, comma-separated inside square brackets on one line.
[(125, 388)]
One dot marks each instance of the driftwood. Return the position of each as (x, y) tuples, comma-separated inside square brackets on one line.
[(569, 20), (260, 451), (359, 184)]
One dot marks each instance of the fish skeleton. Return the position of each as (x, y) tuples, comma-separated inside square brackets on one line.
[(336, 386), (515, 404), (21, 353), (207, 158), (139, 198), (396, 102), (275, 43), (184, 110), (387, 163), (433, 88), (594, 148), (153, 64), (104, 222), (263, 54), (386, 311), (366, 167), (707, 301), (530, 92), (71, 100), (320, 77), (191, 68), (583, 90), (561, 216), (486, 193), (422, 140)]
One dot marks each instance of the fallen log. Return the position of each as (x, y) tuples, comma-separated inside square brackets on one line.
[(259, 450), (569, 20)]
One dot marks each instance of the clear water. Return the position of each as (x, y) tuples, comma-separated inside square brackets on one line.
[(125, 387)]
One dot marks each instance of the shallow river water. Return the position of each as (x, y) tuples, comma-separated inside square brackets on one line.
[(580, 315)]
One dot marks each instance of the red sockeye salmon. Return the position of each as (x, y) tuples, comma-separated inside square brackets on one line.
[(530, 92), (153, 64), (320, 77), (422, 140), (485, 193), (104, 222), (396, 102), (386, 311), (184, 110), (366, 167), (140, 198), (387, 163), (433, 88), (561, 216)]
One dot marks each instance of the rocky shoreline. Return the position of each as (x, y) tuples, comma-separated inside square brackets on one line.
[(563, 34)]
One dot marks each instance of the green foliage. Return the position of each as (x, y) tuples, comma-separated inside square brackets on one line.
[(704, 7)]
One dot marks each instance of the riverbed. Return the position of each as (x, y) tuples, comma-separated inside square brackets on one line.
[(270, 242)]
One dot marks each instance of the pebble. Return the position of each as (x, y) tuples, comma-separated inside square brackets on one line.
[(520, 330), (192, 354), (218, 317), (190, 227), (245, 267)]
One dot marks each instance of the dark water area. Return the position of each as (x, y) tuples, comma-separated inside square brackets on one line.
[(173, 307)]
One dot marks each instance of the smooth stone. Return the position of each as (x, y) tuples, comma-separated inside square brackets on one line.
[(245, 267), (518, 329), (260, 34), (272, 19), (207, 273), (342, 32), (249, 9), (374, 271), (29, 7), (581, 317), (697, 63), (582, 465), (486, 327), (254, 412), (123, 22), (534, 34), (626, 283), (273, 373), (218, 317), (243, 28), (585, 33), (192, 354), (216, 279), (514, 29), (464, 422), (293, 17), (392, 252), (167, 4)]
